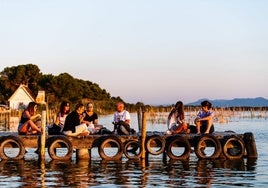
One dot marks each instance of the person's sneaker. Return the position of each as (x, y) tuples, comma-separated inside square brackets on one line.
[(169, 132), (132, 131)]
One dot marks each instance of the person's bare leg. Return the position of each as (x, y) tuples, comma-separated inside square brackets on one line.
[(209, 124), (24, 128), (198, 124), (33, 126)]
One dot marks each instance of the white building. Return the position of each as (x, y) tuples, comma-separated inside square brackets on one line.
[(21, 98)]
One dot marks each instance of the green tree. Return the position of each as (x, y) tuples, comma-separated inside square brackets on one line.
[(12, 77)]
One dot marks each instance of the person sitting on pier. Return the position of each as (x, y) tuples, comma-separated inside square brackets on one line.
[(175, 122), (74, 125), (91, 119), (122, 120), (30, 121), (58, 124), (204, 119)]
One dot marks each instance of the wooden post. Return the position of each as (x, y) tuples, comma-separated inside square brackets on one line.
[(84, 153), (8, 121), (43, 136), (139, 119), (143, 135)]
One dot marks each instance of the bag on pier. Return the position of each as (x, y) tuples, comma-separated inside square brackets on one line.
[(54, 130)]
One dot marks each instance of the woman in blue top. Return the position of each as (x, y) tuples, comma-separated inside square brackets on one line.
[(204, 119)]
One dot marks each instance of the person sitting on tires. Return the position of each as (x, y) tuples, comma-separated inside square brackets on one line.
[(204, 119), (175, 122), (57, 127), (122, 120), (91, 119), (30, 122), (74, 125)]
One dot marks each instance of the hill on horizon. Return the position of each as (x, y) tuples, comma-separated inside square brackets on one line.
[(236, 102)]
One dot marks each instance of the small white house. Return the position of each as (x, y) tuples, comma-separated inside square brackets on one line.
[(21, 98)]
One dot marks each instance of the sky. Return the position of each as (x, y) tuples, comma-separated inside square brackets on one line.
[(150, 51)]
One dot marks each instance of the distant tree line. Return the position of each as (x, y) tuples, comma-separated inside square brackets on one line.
[(66, 87), (58, 88)]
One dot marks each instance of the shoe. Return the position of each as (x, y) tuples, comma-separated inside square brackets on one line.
[(169, 132)]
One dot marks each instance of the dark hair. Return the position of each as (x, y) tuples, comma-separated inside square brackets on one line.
[(79, 105), (62, 106), (30, 107), (206, 103), (179, 108)]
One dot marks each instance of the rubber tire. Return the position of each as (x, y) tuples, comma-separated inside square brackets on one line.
[(56, 140), (208, 137), (128, 143), (186, 145), (117, 142), (157, 138), (225, 147), (15, 140)]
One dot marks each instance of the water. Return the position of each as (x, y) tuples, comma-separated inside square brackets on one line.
[(155, 173)]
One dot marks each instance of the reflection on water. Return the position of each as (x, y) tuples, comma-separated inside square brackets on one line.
[(127, 173), (157, 171)]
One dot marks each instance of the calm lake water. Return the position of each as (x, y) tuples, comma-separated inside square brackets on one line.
[(155, 173)]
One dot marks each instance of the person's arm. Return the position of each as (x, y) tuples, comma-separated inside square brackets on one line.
[(96, 121), (127, 117), (209, 117), (28, 115), (57, 119)]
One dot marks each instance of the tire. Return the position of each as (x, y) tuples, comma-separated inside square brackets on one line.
[(60, 142), (111, 142), (155, 140), (233, 147), (178, 142), (11, 142), (205, 142), (132, 149)]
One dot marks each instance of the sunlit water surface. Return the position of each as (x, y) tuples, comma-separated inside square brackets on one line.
[(155, 173)]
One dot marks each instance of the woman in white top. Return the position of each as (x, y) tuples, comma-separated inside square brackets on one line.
[(61, 116), (58, 124)]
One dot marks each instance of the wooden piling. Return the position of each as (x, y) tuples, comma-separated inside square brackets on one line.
[(84, 153), (139, 116), (250, 145), (143, 135), (43, 136)]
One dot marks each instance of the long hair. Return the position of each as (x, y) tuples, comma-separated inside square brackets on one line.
[(62, 107), (179, 107), (30, 107)]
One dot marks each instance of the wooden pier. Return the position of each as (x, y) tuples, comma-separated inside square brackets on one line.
[(228, 145), (208, 146)]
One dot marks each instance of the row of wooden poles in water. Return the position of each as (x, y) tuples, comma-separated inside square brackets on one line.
[(142, 128)]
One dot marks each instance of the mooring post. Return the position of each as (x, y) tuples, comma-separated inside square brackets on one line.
[(43, 136), (139, 119), (143, 135), (83, 153)]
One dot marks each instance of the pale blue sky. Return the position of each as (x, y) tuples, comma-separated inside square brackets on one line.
[(152, 51)]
